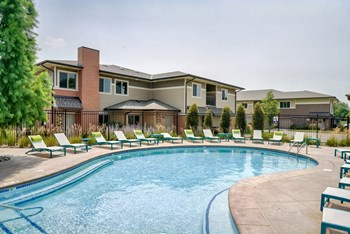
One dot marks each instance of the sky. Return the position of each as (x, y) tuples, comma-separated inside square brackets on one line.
[(288, 45)]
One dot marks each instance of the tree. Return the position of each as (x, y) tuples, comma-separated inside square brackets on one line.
[(269, 106), (225, 120), (258, 117), (341, 109), (192, 120), (23, 94), (241, 122), (208, 119)]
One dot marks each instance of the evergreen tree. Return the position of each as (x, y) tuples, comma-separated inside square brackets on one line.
[(258, 117), (192, 120), (23, 94), (269, 106), (208, 119), (241, 122), (225, 120)]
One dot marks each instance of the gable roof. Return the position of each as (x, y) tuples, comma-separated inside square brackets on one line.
[(151, 104), (118, 70), (63, 102), (258, 95)]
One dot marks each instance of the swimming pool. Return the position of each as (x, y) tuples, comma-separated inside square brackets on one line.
[(166, 190)]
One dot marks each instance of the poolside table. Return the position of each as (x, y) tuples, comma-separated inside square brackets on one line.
[(225, 136), (158, 136), (313, 139), (86, 141)]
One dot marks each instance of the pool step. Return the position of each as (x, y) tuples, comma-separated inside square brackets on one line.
[(59, 185)]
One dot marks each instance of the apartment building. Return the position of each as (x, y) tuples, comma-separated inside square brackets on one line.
[(132, 97)]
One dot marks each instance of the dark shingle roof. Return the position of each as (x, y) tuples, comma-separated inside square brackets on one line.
[(151, 104), (216, 111), (67, 103)]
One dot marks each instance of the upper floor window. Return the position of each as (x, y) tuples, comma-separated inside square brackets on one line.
[(284, 105), (224, 94), (196, 90), (245, 105), (121, 87), (67, 80), (105, 85)]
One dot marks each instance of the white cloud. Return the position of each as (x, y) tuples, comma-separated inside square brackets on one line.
[(55, 42)]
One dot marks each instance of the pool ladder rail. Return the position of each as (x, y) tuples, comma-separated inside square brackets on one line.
[(299, 147)]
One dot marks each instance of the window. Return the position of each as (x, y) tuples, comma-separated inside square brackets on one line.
[(121, 87), (67, 80), (133, 119), (196, 90), (224, 93), (245, 105), (105, 85), (284, 105)]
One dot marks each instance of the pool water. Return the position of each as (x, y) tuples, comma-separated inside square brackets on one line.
[(164, 190)]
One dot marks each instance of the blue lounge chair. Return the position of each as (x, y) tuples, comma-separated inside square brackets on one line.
[(139, 135)]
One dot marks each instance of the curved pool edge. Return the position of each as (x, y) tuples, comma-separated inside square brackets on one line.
[(284, 202)]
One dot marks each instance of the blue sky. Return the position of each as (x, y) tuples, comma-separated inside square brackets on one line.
[(255, 44)]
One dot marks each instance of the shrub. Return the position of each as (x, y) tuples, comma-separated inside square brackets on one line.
[(208, 119), (241, 122), (225, 120), (50, 141), (23, 142), (75, 139), (192, 120), (332, 141), (258, 117)]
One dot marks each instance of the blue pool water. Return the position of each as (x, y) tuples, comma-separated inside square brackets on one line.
[(149, 191)]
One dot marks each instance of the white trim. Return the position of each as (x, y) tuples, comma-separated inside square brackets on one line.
[(115, 87), (105, 78), (167, 88), (76, 80), (200, 88)]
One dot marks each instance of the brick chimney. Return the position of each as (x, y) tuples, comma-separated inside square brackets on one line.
[(89, 78)]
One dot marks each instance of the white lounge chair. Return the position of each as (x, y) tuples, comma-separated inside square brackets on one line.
[(100, 140), (40, 146), (168, 137), (257, 136), (208, 135), (121, 137), (298, 138), (335, 219), (342, 152), (277, 138), (236, 135), (64, 142), (190, 136), (139, 135)]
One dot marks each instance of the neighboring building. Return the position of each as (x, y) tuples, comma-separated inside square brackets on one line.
[(348, 96), (305, 103), (132, 97)]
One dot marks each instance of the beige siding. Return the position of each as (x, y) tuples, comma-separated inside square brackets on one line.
[(173, 97), (230, 102), (250, 106), (200, 101), (168, 84)]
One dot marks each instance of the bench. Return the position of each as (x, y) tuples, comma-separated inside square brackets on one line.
[(334, 193), (337, 219), (344, 169)]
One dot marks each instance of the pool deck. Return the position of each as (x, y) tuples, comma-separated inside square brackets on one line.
[(287, 202)]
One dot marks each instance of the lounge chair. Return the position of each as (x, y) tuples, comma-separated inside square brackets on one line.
[(121, 137), (64, 142), (168, 137), (257, 136), (190, 136), (100, 140), (335, 219), (347, 158), (341, 151), (208, 135), (344, 182), (236, 135), (139, 135), (344, 169), (40, 146), (298, 139), (277, 138), (342, 195)]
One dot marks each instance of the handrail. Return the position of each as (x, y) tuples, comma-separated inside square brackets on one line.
[(298, 147), (291, 147)]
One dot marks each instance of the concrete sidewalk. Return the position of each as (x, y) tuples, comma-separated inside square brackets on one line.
[(278, 203)]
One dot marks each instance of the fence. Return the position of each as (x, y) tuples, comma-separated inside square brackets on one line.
[(83, 123)]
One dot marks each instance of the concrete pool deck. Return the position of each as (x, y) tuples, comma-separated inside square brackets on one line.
[(285, 202)]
